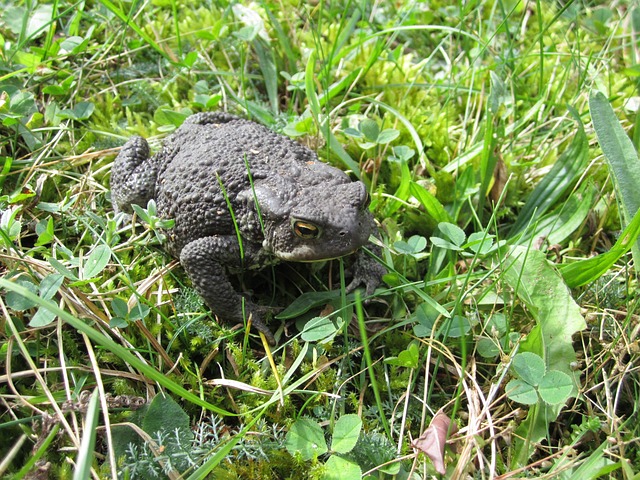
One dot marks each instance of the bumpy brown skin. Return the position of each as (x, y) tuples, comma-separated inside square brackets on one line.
[(286, 205)]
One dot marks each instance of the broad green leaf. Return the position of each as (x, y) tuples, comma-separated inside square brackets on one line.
[(555, 387), (306, 438), (425, 317), (164, 414), (387, 136), (16, 301), (45, 233), (96, 262), (521, 392), (306, 302), (412, 246), (338, 468), (339, 150), (497, 322), (267, 62), (118, 322), (81, 111), (369, 129), (33, 26), (321, 329), (418, 243), (442, 243), (487, 347), (403, 191), (50, 285), (42, 318), (119, 307), (346, 433), (539, 286), (352, 132), (562, 176), (453, 232), (479, 242), (62, 269), (622, 158), (558, 225), (456, 327), (139, 312), (169, 117), (529, 367), (73, 45), (402, 153)]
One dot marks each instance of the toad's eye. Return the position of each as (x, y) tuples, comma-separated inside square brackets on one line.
[(305, 230)]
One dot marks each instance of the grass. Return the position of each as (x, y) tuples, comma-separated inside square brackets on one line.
[(509, 236)]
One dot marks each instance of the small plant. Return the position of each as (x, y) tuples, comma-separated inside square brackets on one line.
[(535, 383), (149, 216), (306, 440), (123, 316), (369, 135)]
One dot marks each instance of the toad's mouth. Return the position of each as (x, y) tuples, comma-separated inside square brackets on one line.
[(308, 255)]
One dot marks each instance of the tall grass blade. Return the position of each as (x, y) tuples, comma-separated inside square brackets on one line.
[(324, 124), (622, 158), (267, 62), (85, 453), (370, 364), (34, 457), (118, 12), (586, 271)]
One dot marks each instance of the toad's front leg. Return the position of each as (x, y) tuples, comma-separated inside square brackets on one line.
[(205, 260)]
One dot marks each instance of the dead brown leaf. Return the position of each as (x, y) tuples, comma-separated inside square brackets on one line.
[(433, 440)]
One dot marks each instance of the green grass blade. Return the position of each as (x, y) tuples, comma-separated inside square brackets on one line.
[(586, 271), (134, 26), (33, 459), (369, 363), (324, 124), (622, 158), (310, 86), (596, 465), (85, 453), (431, 204), (283, 39), (267, 62)]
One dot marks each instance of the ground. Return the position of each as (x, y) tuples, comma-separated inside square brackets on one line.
[(498, 142)]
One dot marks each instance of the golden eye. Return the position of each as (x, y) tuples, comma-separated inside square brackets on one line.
[(305, 230)]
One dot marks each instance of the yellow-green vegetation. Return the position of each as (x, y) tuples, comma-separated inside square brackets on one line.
[(498, 141)]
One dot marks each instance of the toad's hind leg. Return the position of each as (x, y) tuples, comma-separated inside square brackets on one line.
[(133, 176)]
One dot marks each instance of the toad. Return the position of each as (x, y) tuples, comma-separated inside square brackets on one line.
[(244, 197)]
